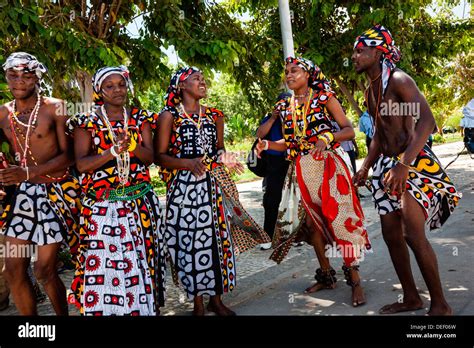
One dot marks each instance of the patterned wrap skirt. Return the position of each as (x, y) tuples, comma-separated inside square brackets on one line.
[(427, 182), (44, 213), (121, 260), (197, 235), (322, 188)]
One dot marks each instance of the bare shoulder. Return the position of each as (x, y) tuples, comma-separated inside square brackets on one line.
[(4, 112), (401, 80), (53, 102), (55, 106), (5, 109)]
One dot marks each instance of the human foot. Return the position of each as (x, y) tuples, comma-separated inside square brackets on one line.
[(401, 307), (440, 310), (319, 286), (358, 296), (325, 279)]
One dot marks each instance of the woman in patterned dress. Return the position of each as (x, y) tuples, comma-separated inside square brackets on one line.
[(321, 177), (198, 232), (121, 261)]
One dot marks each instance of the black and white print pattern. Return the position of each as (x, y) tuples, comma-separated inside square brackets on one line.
[(37, 214), (194, 237)]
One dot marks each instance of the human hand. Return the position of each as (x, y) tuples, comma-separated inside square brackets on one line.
[(275, 114), (360, 178), (14, 175), (123, 141), (261, 146), (229, 159), (196, 166), (395, 180), (318, 149)]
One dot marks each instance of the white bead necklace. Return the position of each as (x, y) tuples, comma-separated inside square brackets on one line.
[(123, 159), (202, 139), (32, 120)]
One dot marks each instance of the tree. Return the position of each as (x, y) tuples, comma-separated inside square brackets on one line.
[(324, 31), (74, 38)]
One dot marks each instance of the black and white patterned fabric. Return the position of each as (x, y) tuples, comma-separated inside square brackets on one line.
[(41, 213), (198, 241)]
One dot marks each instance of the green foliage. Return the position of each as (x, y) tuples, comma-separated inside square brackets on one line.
[(454, 120), (241, 118), (324, 31), (71, 37), (361, 145), (438, 139)]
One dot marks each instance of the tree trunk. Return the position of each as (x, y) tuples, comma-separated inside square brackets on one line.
[(84, 80), (360, 85), (349, 96)]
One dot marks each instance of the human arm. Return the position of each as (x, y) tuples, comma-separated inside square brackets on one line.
[(345, 132), (265, 127), (264, 145), (360, 177), (226, 158)]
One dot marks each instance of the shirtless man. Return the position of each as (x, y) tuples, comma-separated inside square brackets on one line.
[(43, 208), (409, 185)]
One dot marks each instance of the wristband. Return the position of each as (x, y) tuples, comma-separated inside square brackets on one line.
[(266, 145), (403, 164), (324, 139), (113, 152), (329, 136)]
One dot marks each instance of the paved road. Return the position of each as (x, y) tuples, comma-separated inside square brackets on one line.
[(264, 288), (453, 244)]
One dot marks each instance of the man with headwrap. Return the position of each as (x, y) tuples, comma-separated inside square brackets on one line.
[(205, 223), (409, 186), (318, 182), (120, 268), (41, 202)]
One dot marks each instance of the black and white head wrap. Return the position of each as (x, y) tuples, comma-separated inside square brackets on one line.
[(22, 61), (100, 76)]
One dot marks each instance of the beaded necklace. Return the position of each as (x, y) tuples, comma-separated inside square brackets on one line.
[(377, 101), (300, 133), (123, 159), (17, 142), (32, 120), (202, 138)]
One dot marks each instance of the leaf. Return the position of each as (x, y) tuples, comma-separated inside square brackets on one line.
[(13, 14), (25, 19), (59, 37)]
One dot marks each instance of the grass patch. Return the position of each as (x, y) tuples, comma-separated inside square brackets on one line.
[(446, 138)]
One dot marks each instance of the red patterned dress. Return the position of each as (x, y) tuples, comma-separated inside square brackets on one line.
[(121, 259), (321, 185)]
